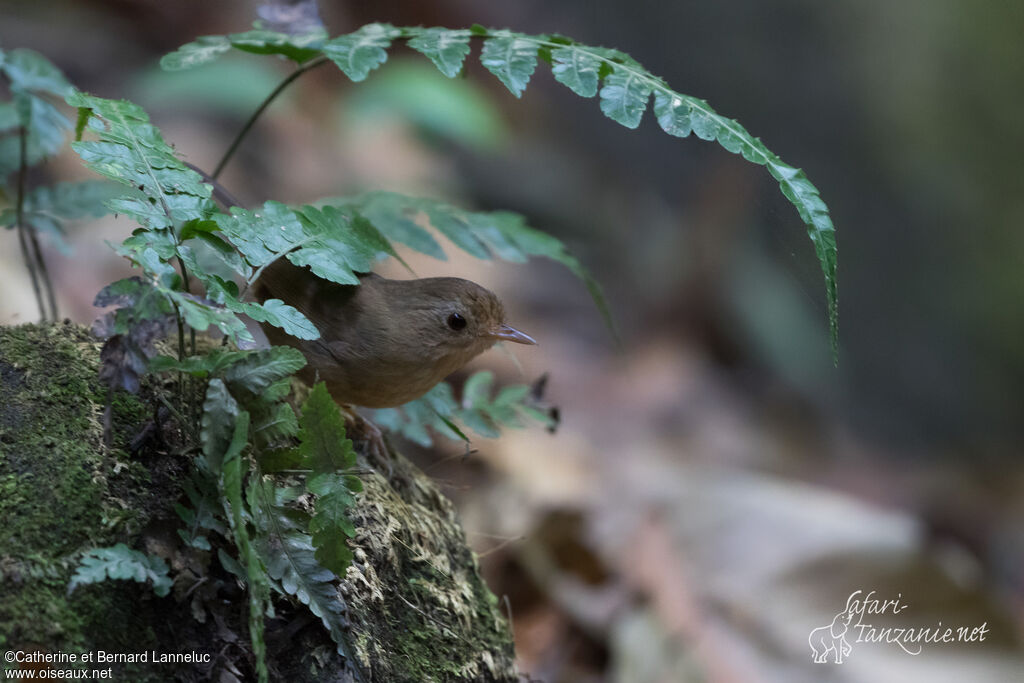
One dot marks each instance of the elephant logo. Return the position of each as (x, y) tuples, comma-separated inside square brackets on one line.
[(832, 638)]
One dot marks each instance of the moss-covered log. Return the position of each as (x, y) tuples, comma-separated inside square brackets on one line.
[(417, 608)]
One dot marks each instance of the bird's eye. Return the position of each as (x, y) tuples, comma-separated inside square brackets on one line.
[(456, 321)]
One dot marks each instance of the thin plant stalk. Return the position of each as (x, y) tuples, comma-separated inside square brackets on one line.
[(181, 354), (44, 274), (312, 64), (19, 212)]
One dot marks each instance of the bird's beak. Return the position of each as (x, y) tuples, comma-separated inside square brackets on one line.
[(507, 333)]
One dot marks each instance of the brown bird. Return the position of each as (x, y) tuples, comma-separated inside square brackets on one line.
[(386, 342)]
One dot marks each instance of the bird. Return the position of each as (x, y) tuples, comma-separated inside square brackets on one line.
[(385, 342)]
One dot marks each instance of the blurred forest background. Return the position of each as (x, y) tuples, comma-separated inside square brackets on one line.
[(717, 487)]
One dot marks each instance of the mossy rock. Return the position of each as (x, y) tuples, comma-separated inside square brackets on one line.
[(415, 603)]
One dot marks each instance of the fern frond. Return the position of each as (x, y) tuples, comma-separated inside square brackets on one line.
[(259, 593), (121, 562), (32, 79), (482, 234), (220, 414), (480, 409), (334, 242), (324, 449), (203, 497), (288, 554), (322, 442), (205, 49), (131, 151), (330, 526), (47, 206), (166, 197), (625, 88), (256, 371)]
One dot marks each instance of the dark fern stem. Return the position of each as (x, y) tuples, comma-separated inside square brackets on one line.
[(27, 238), (312, 64)]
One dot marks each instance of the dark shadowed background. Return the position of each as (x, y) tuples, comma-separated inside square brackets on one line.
[(718, 487)]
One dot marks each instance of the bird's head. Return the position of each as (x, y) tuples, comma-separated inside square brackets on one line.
[(455, 317)]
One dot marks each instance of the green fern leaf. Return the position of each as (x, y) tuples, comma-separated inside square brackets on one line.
[(206, 49), (31, 76), (47, 127), (70, 201), (231, 468), (335, 243), (678, 114), (673, 113), (434, 409), (213, 363), (160, 241), (255, 371), (624, 97), (276, 425), (8, 114), (322, 441), (202, 50), (289, 557), (46, 131), (252, 373), (799, 190), (706, 125), (325, 450), (475, 395), (279, 390), (28, 70), (131, 151), (575, 69), (455, 226), (511, 58), (343, 243), (475, 410), (48, 207), (330, 525), (231, 482), (121, 562), (440, 411), (446, 48), (220, 413), (480, 234), (212, 244), (262, 235), (298, 48), (477, 388), (200, 315), (389, 213), (278, 314), (362, 51), (201, 489), (142, 211)]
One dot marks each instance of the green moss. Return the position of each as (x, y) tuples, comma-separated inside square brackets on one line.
[(50, 434), (55, 489), (434, 619)]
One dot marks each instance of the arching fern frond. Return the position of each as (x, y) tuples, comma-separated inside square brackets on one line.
[(482, 234), (623, 86)]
